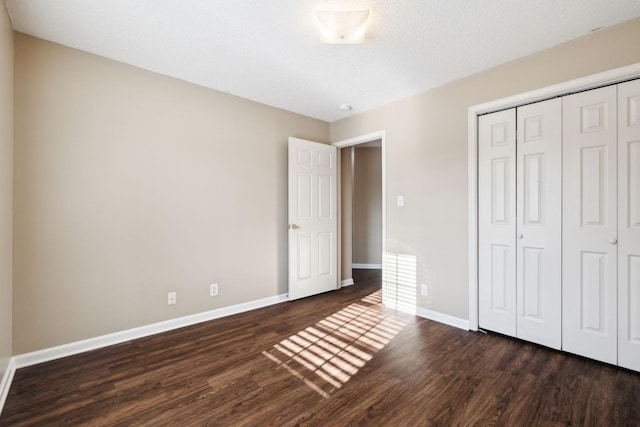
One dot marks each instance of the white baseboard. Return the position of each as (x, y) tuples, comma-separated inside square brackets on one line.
[(77, 347), (52, 353), (347, 282), (443, 318), (367, 266), (6, 382)]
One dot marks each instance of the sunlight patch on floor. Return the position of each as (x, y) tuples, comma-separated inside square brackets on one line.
[(325, 356)]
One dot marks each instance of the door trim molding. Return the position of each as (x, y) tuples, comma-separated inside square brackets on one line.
[(593, 81), (361, 139)]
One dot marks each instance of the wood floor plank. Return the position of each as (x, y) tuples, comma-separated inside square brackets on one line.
[(335, 359)]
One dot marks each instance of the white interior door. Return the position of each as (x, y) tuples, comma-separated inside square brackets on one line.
[(539, 223), (629, 225), (497, 222), (313, 223), (589, 250)]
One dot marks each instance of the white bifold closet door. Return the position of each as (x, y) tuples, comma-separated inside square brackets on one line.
[(590, 232), (519, 200), (539, 223), (629, 225), (497, 221)]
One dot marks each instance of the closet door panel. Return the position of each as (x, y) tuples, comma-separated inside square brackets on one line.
[(629, 225), (497, 222), (589, 224), (539, 213)]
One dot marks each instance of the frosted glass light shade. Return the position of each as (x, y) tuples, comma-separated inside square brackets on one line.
[(342, 27)]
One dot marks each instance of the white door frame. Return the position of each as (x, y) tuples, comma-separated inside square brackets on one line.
[(589, 82), (348, 143)]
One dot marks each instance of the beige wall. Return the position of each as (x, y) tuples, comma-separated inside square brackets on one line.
[(367, 206), (346, 212), (6, 185), (128, 185), (426, 154)]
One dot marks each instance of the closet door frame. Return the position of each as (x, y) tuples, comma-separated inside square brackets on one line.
[(614, 76)]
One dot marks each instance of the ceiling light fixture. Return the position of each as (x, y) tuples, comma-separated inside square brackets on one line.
[(342, 26)]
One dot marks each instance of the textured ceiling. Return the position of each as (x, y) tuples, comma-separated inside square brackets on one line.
[(269, 50)]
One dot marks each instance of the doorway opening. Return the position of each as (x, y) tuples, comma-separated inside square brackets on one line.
[(361, 206)]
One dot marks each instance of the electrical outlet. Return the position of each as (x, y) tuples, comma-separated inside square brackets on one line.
[(171, 298), (424, 290), (213, 289)]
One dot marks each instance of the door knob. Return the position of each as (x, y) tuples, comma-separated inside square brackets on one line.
[(294, 226), (613, 241), (520, 236)]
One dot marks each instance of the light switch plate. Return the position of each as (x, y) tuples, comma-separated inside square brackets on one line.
[(400, 201)]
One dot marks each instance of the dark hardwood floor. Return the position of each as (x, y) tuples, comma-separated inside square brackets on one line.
[(335, 359)]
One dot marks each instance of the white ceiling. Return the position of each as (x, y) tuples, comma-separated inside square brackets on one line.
[(269, 50)]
